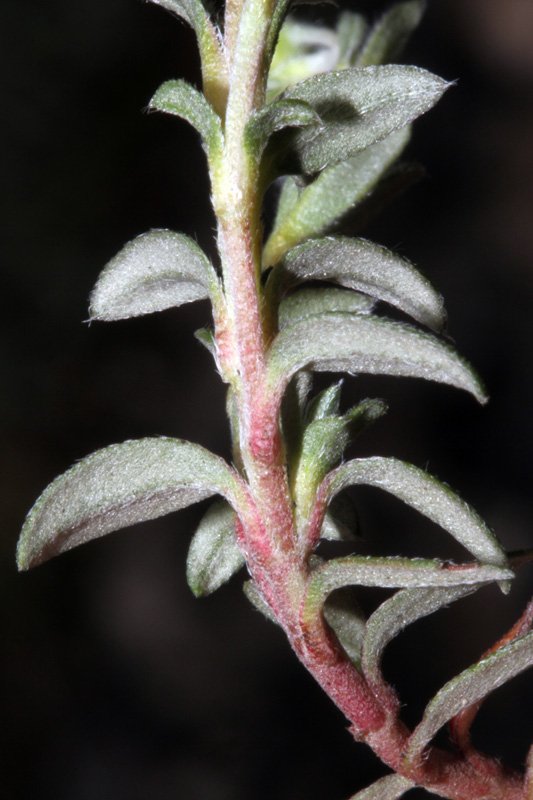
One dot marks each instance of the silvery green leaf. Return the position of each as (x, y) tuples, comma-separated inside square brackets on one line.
[(469, 687), (179, 98), (366, 267), (395, 614), (325, 404), (389, 35), (276, 116), (157, 270), (119, 486), (391, 787), (214, 555), (206, 337), (189, 10), (347, 620), (358, 107), (306, 303), (398, 573), (351, 29), (356, 343), (427, 495), (255, 597), (316, 208)]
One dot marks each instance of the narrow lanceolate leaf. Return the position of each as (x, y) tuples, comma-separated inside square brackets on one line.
[(303, 213), (181, 99), (347, 620), (395, 573), (355, 343), (119, 486), (157, 270), (427, 495), (358, 107), (397, 613), (214, 67), (366, 267), (469, 687), (309, 302), (351, 29), (389, 35), (392, 787), (214, 555), (274, 117)]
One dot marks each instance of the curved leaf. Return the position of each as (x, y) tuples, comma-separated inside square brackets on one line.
[(391, 787), (315, 209), (396, 573), (389, 35), (214, 67), (355, 343), (180, 99), (397, 613), (214, 555), (119, 486), (358, 107), (469, 687), (351, 29), (309, 302), (366, 267), (427, 495), (276, 116), (157, 270)]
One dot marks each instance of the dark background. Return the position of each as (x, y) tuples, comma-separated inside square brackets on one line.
[(117, 684)]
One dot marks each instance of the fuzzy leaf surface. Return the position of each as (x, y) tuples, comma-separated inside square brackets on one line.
[(366, 267), (157, 270), (395, 614), (356, 343), (180, 99), (398, 573), (390, 34), (358, 107), (214, 555), (469, 687), (276, 116), (306, 303), (391, 787), (119, 486), (315, 209), (427, 495)]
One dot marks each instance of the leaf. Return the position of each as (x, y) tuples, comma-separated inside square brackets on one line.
[(253, 594), (119, 486), (392, 573), (469, 687), (157, 270), (346, 619), (358, 107), (307, 303), (390, 34), (302, 50), (323, 444), (395, 614), (351, 29), (338, 189), (427, 495), (356, 343), (206, 337), (274, 117), (341, 523), (366, 267), (214, 555), (214, 67), (180, 99), (391, 787)]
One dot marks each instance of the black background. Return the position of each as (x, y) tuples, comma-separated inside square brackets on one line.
[(117, 684)]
